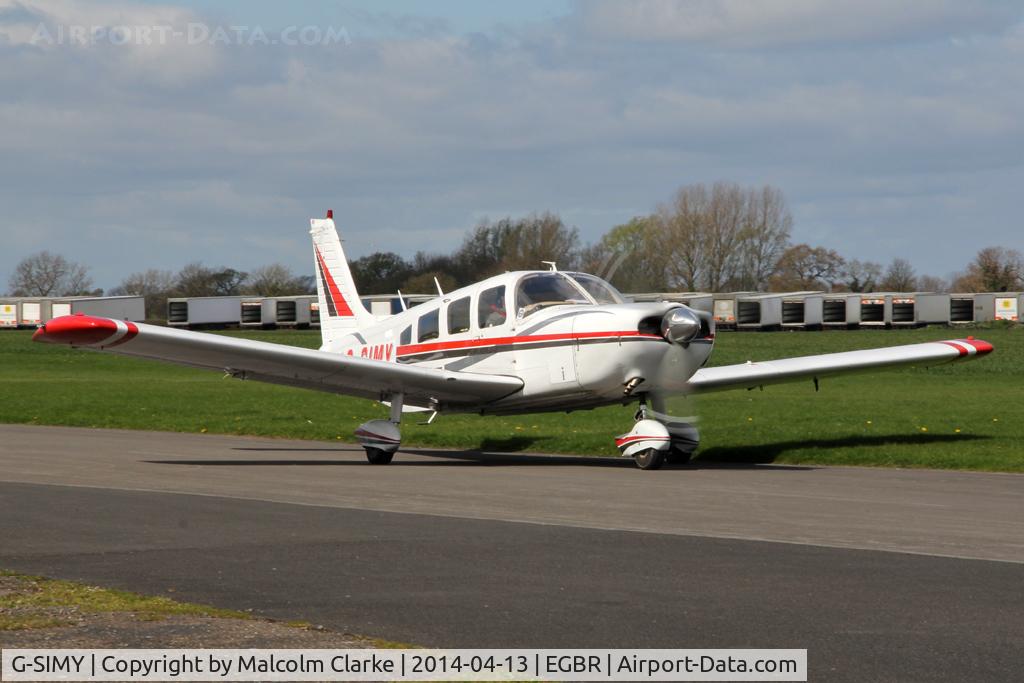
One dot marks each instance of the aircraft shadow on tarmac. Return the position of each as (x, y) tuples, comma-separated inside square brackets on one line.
[(767, 453), (718, 457)]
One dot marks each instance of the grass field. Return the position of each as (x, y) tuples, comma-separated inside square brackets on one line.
[(966, 415)]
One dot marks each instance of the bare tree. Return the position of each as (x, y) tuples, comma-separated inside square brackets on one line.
[(680, 234), (48, 274), (994, 269), (276, 279), (861, 276), (806, 267), (767, 223), (899, 276), (931, 283), (538, 238), (722, 237), (195, 279), (155, 285)]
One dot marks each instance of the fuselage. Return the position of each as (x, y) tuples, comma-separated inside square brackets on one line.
[(570, 338)]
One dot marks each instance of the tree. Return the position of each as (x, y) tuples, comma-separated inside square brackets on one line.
[(722, 237), (278, 280), (380, 272), (541, 237), (806, 267), (861, 276), (627, 256), (423, 283), (931, 283), (154, 285), (48, 274), (994, 269), (514, 244), (680, 234), (195, 279), (767, 223), (899, 276)]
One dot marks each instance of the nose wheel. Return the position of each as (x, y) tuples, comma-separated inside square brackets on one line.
[(649, 459), (658, 438)]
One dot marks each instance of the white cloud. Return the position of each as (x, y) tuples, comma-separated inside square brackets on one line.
[(758, 23)]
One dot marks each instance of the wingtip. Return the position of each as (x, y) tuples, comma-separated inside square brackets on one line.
[(79, 330), (981, 347)]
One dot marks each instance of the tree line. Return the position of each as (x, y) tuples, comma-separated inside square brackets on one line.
[(713, 238)]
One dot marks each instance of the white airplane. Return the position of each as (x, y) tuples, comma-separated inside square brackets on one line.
[(520, 342)]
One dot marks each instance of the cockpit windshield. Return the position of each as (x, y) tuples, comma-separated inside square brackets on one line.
[(602, 292), (540, 290)]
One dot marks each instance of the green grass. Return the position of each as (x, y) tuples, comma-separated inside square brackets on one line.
[(965, 415), (27, 607)]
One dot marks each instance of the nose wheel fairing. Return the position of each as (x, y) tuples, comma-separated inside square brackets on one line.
[(658, 437)]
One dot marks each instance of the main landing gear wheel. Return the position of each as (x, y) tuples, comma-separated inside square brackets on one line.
[(649, 459), (376, 456)]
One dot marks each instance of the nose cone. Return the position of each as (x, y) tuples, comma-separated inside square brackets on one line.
[(680, 325)]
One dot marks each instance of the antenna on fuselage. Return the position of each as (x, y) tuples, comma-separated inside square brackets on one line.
[(551, 264), (401, 300), (440, 292)]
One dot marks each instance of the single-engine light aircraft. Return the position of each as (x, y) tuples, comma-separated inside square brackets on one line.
[(519, 342)]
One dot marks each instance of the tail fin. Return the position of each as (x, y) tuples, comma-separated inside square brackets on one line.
[(341, 311)]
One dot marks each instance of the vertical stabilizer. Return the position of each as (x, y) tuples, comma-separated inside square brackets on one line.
[(341, 311)]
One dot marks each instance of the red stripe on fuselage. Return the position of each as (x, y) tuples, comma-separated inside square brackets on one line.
[(340, 305), (414, 349)]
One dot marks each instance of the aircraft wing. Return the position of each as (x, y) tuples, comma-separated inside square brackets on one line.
[(756, 374), (278, 363)]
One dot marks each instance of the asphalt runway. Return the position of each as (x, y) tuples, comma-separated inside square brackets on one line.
[(881, 574)]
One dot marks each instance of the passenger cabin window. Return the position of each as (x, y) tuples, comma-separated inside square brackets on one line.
[(490, 307), (405, 338), (458, 316), (541, 290), (602, 292), (428, 326)]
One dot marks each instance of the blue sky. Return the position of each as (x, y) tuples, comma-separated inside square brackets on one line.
[(893, 128)]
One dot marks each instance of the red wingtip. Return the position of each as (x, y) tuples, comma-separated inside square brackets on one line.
[(981, 347), (330, 213), (75, 329)]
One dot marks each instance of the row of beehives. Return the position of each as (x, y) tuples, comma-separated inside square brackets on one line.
[(34, 311), (814, 310)]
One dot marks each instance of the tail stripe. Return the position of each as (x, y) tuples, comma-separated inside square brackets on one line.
[(336, 304)]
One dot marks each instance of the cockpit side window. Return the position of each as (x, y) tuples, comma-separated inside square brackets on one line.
[(540, 290), (490, 307)]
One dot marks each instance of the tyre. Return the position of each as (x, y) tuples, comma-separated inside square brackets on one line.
[(649, 459), (377, 456)]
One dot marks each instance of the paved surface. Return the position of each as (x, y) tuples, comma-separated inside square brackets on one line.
[(433, 550)]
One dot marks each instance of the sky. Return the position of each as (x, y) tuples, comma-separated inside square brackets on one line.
[(163, 133)]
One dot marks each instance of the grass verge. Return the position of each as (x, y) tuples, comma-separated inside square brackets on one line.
[(29, 602)]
